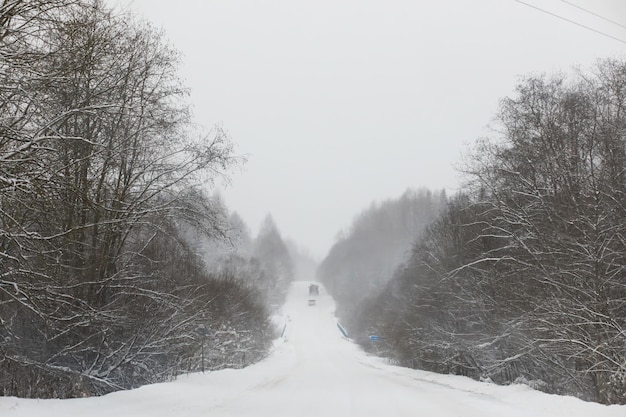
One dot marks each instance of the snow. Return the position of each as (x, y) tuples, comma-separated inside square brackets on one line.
[(314, 371)]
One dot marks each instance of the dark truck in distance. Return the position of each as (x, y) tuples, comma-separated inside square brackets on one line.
[(314, 289)]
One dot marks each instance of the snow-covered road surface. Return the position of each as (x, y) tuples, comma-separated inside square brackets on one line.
[(314, 371)]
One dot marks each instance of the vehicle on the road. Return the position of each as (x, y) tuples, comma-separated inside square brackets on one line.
[(314, 289), (312, 302)]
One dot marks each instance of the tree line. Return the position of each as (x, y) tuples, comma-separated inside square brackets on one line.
[(364, 258), (522, 278), (103, 199)]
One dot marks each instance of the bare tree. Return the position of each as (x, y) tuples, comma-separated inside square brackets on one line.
[(101, 172), (524, 275)]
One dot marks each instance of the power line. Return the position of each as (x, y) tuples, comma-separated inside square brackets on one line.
[(571, 21), (594, 13)]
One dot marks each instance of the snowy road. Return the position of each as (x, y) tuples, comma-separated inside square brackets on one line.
[(316, 372)]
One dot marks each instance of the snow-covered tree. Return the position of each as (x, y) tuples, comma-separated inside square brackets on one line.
[(101, 178), (271, 251), (362, 261), (524, 275)]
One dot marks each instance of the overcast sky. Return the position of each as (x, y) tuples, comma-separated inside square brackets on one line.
[(339, 103)]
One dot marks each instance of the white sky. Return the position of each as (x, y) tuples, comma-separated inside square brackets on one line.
[(337, 103)]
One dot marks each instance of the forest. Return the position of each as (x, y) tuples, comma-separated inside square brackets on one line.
[(521, 276), (121, 266), (106, 221), (364, 258)]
